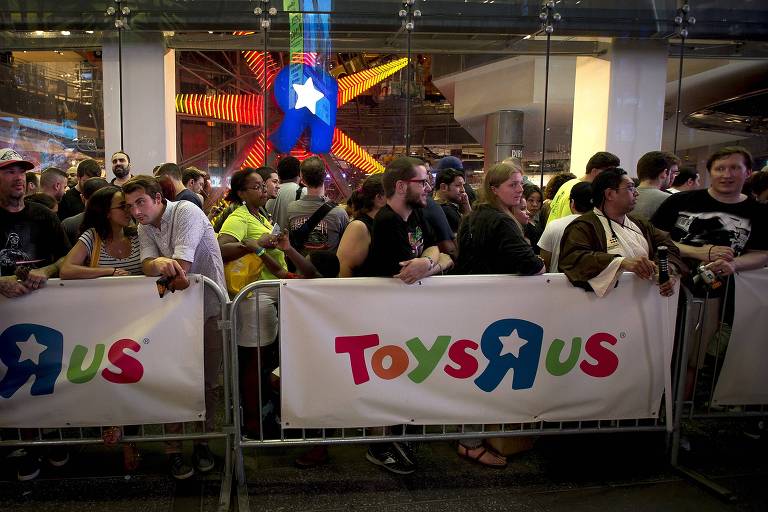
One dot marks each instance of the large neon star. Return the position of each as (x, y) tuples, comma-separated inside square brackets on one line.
[(249, 108)]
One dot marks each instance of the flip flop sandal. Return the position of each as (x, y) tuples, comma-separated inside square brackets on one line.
[(478, 458)]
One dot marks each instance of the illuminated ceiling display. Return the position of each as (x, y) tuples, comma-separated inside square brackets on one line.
[(308, 98)]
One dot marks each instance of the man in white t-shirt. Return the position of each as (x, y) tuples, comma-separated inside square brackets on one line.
[(581, 203)]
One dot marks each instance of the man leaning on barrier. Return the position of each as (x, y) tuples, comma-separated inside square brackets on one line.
[(177, 239), (32, 245), (598, 246), (720, 230)]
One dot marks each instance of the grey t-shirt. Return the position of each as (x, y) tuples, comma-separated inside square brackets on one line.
[(648, 201), (278, 207), (71, 227), (327, 233)]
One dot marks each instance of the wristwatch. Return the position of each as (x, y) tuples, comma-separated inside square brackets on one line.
[(260, 251)]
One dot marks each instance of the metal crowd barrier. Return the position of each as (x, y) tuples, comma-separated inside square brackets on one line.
[(344, 436), (72, 436), (695, 385)]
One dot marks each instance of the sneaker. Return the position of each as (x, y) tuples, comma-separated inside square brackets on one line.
[(27, 467), (390, 457), (58, 456), (203, 458), (180, 470), (756, 431)]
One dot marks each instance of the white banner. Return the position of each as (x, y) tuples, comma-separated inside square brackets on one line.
[(471, 349), (743, 379), (104, 351)]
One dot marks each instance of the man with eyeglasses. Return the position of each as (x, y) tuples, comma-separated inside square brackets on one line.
[(598, 246), (177, 239), (403, 246), (325, 220)]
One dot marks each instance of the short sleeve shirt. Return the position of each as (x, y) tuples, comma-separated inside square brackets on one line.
[(242, 224), (32, 237), (131, 264), (394, 240), (696, 218), (327, 233), (561, 204), (186, 234), (552, 236)]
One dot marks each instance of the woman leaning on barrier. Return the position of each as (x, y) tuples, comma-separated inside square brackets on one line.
[(491, 241), (108, 246)]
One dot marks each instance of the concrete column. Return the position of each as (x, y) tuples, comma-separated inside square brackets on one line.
[(149, 89), (619, 103), (503, 136)]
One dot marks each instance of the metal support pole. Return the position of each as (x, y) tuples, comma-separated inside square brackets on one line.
[(549, 17), (683, 20)]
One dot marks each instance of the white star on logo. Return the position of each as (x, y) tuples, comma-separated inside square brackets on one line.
[(307, 95), (30, 349), (513, 343)]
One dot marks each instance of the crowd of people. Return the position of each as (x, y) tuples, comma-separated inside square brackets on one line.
[(417, 219)]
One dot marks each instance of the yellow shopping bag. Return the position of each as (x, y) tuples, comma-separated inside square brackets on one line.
[(241, 272)]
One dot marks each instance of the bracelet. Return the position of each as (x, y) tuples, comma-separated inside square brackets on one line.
[(440, 267), (114, 270), (431, 262), (260, 251), (709, 253)]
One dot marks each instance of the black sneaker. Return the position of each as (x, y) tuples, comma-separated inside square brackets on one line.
[(180, 470), (27, 467), (390, 457), (756, 431), (203, 458), (58, 456)]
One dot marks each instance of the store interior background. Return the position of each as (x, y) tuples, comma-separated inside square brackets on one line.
[(469, 60)]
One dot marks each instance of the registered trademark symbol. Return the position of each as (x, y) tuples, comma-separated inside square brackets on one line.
[(622, 335), (146, 340)]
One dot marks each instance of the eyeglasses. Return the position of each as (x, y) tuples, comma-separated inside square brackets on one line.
[(629, 188), (424, 183), (260, 186)]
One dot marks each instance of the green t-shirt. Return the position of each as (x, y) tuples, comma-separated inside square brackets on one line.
[(242, 224), (561, 205)]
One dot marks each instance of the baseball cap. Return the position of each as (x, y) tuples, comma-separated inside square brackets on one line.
[(9, 157), (449, 162)]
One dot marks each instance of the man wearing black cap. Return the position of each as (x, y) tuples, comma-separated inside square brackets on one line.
[(31, 238)]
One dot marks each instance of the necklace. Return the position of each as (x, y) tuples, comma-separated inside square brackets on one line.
[(118, 249)]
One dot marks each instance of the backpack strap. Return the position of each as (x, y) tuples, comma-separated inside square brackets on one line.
[(301, 235)]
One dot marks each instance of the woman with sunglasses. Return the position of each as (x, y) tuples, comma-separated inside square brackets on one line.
[(108, 244)]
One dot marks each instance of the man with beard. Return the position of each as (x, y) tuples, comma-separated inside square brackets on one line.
[(403, 246), (32, 245), (402, 243), (121, 168)]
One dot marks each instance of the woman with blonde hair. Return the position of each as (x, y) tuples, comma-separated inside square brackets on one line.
[(490, 239)]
